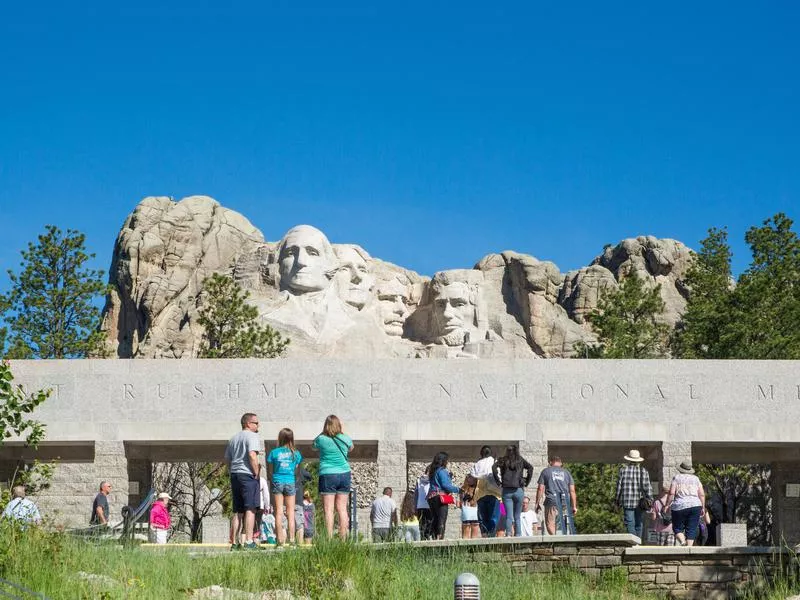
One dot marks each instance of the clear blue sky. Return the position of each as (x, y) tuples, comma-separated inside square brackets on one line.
[(430, 133)]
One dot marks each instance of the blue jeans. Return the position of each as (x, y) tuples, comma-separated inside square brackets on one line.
[(488, 515), (512, 499), (633, 521)]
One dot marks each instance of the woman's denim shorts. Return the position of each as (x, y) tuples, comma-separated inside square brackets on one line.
[(334, 483)]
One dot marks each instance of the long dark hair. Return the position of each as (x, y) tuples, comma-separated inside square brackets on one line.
[(511, 460), (439, 460)]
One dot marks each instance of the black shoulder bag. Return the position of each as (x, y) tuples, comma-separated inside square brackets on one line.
[(645, 503)]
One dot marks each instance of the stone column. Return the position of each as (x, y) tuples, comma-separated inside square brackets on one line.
[(785, 510), (673, 454), (111, 464), (392, 466), (535, 452), (74, 485)]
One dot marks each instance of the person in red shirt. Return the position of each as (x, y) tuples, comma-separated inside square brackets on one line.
[(159, 519)]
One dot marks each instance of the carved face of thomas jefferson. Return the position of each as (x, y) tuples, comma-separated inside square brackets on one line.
[(306, 260), (454, 309), (354, 277)]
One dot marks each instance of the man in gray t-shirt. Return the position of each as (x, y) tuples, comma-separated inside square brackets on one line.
[(555, 483), (383, 515), (241, 455)]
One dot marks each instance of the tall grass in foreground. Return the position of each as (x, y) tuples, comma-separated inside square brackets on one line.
[(49, 563)]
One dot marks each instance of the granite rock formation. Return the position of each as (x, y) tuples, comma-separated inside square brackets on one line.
[(338, 300)]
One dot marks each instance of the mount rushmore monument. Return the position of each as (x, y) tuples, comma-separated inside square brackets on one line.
[(338, 300)]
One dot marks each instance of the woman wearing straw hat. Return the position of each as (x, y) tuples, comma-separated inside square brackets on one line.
[(686, 501), (633, 485)]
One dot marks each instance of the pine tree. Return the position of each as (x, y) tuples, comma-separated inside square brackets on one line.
[(626, 322), (50, 311), (765, 306), (231, 326), (708, 309)]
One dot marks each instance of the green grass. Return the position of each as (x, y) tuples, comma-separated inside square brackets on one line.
[(47, 562)]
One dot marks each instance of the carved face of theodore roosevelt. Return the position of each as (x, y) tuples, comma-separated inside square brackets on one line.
[(393, 299), (306, 260)]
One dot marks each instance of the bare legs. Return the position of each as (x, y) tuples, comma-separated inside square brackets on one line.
[(341, 510), (336, 503), (327, 509), (290, 516)]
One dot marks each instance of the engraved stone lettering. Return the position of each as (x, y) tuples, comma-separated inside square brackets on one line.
[(304, 391), (233, 391), (128, 393), (162, 390), (198, 391), (265, 391), (552, 391), (445, 390), (340, 391), (766, 394), (517, 389), (374, 390), (483, 391), (622, 391), (56, 387), (661, 391), (587, 391), (692, 395)]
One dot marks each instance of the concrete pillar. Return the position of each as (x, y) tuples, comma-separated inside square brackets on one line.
[(74, 485), (785, 509), (392, 465), (673, 454), (535, 452)]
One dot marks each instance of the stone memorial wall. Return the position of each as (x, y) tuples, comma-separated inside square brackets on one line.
[(112, 418)]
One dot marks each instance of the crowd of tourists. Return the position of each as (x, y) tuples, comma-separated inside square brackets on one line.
[(275, 507)]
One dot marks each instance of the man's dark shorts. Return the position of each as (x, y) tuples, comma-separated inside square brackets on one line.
[(334, 483), (245, 492)]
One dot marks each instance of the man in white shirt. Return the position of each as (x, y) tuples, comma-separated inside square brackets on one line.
[(383, 515), (529, 523), (20, 508)]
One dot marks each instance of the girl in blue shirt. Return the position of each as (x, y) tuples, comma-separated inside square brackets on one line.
[(284, 460)]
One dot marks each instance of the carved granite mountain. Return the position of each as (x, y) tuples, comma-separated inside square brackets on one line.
[(337, 300)]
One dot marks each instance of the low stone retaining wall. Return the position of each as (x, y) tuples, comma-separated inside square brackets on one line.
[(691, 573)]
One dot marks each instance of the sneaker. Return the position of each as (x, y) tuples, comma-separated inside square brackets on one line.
[(250, 546), (236, 546)]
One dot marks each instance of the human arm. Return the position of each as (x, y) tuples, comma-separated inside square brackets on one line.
[(701, 493), (573, 498), (671, 496), (618, 494), (539, 494), (497, 475), (528, 472), (445, 482), (648, 489), (101, 515), (254, 465)]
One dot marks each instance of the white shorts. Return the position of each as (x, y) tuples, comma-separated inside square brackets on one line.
[(159, 536)]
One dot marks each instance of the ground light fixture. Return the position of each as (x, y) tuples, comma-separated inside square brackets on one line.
[(466, 587)]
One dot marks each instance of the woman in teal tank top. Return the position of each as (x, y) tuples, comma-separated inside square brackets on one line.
[(334, 473)]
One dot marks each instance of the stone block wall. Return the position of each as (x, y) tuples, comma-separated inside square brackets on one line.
[(689, 573)]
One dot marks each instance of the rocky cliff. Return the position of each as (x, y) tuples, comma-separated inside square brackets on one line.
[(338, 300)]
